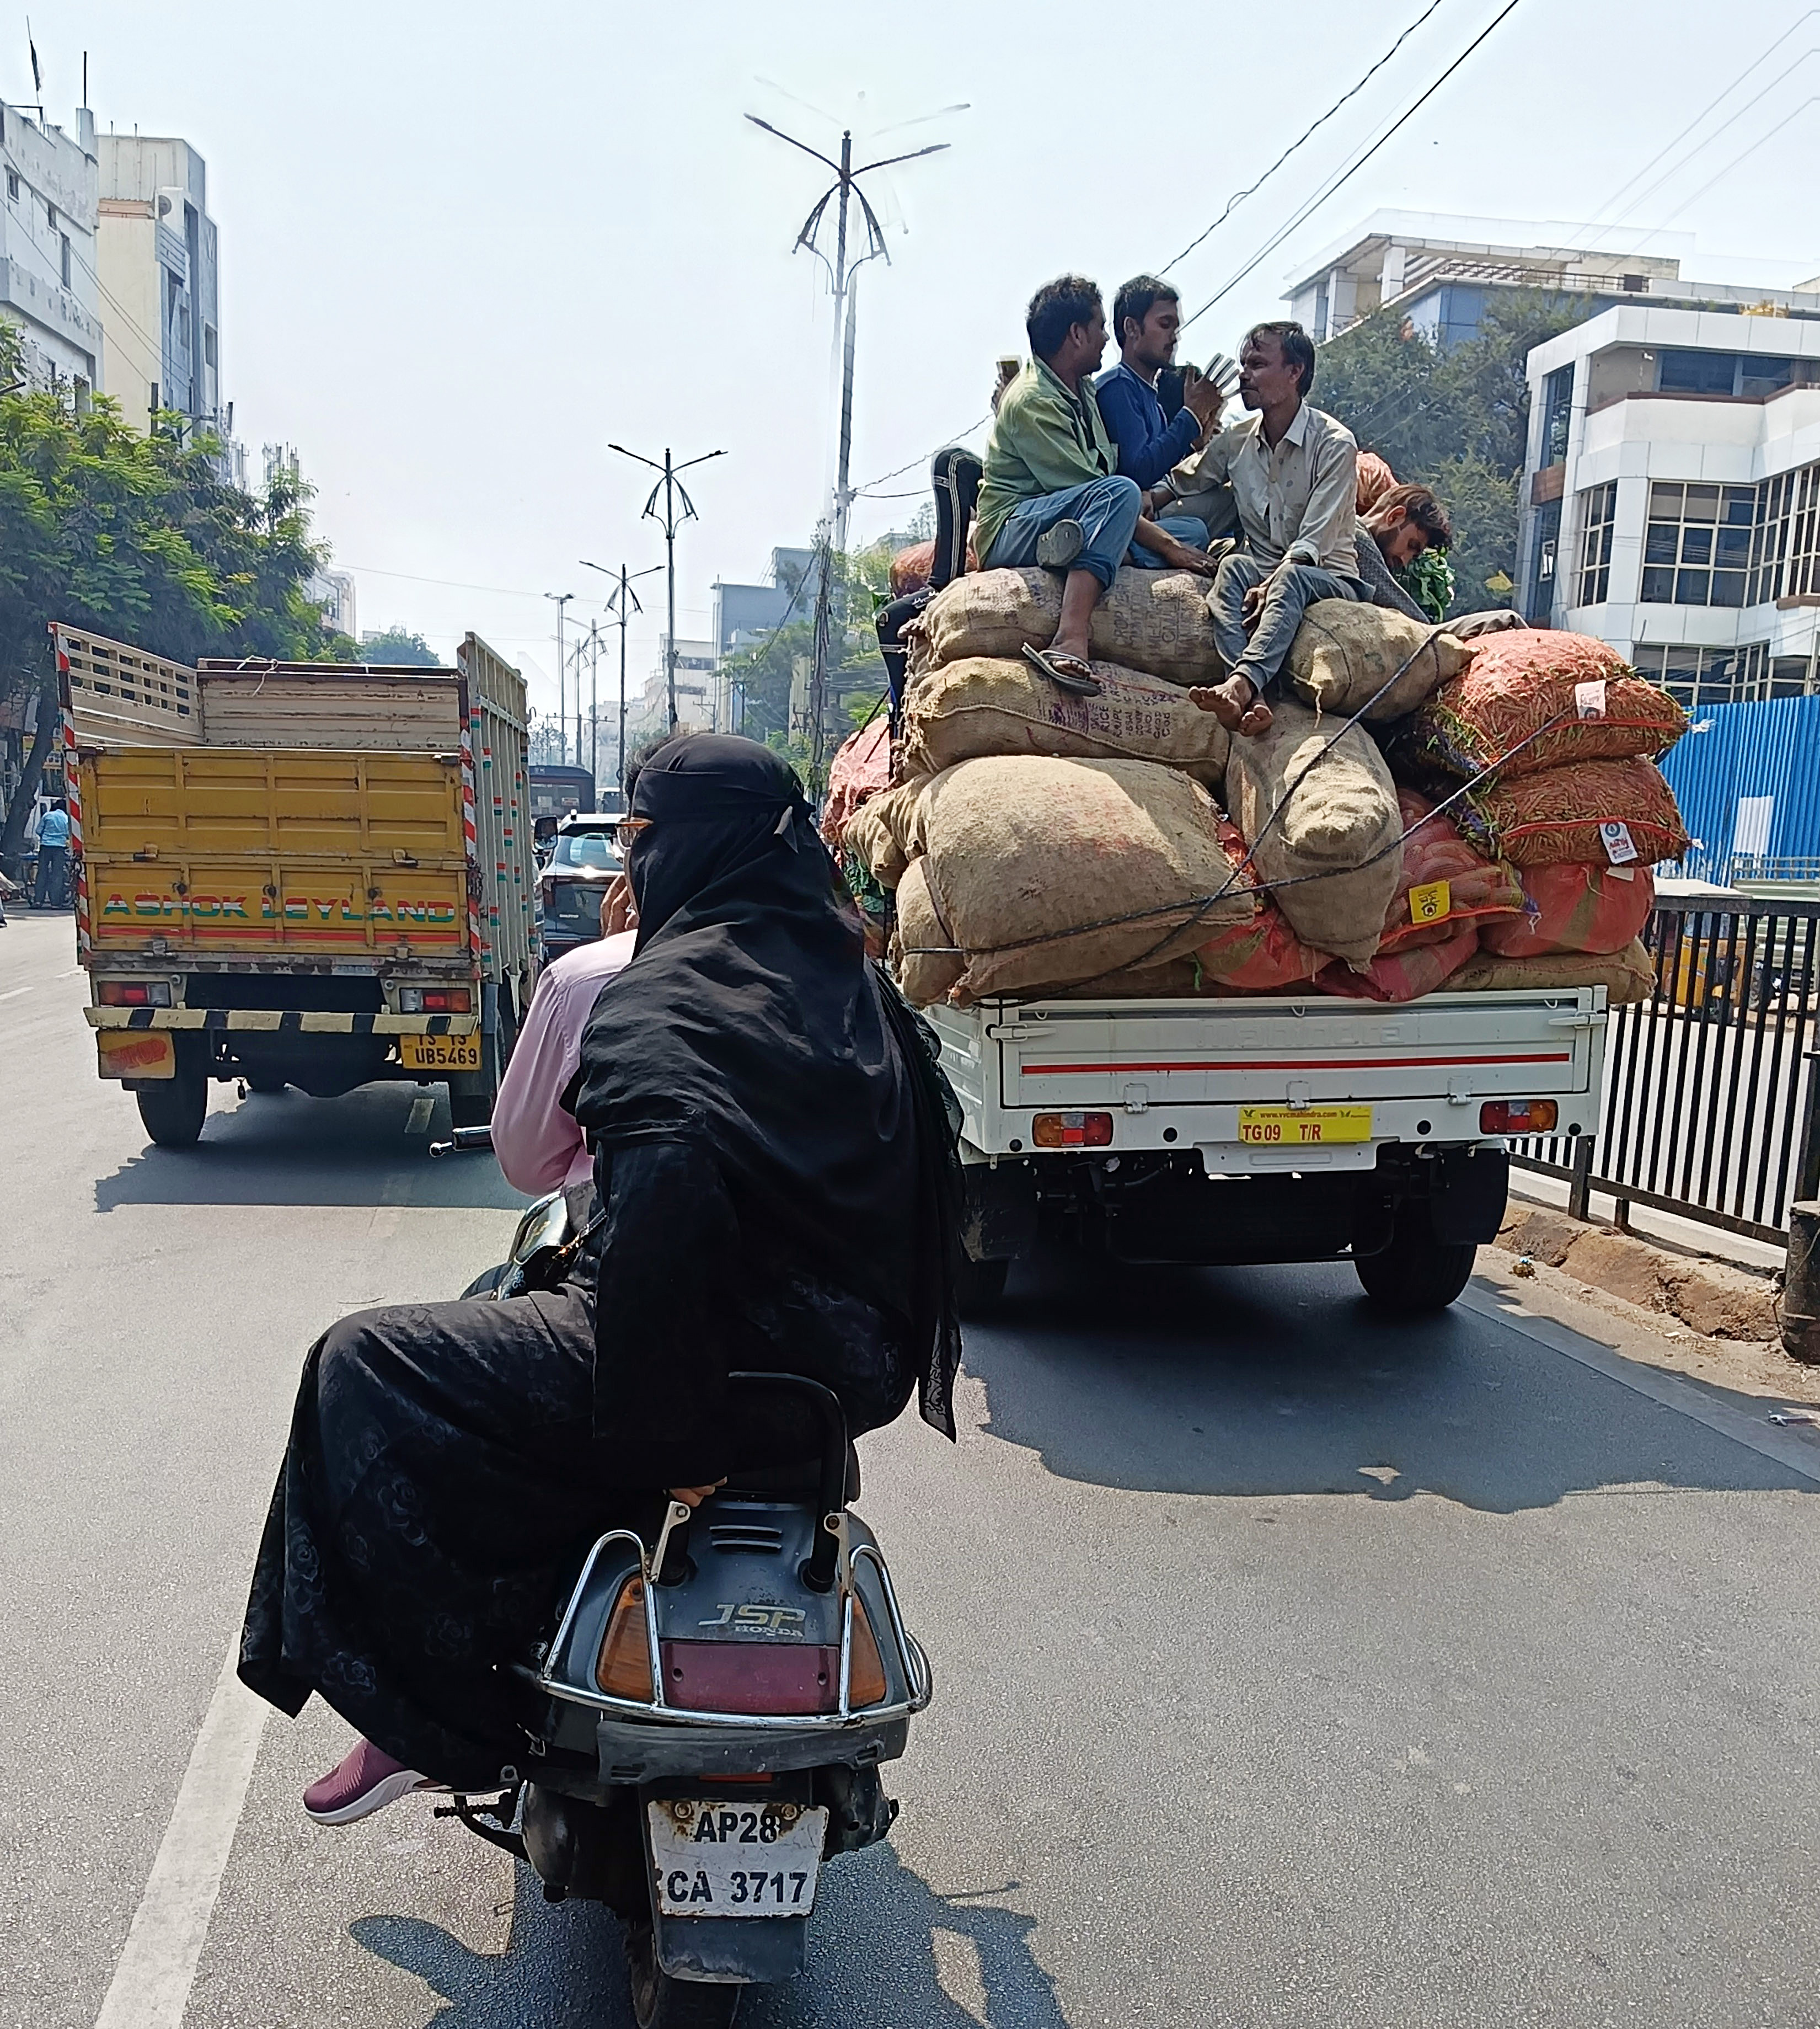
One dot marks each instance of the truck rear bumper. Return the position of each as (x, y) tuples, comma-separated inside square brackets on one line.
[(283, 1021)]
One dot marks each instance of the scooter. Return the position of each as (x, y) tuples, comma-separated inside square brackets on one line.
[(706, 1723)]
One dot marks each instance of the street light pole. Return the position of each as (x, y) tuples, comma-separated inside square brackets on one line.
[(622, 602), (670, 487), (561, 600)]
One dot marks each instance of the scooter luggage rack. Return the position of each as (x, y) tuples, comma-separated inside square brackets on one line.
[(911, 1660)]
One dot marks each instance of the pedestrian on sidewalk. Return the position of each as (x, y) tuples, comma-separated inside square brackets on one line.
[(53, 856)]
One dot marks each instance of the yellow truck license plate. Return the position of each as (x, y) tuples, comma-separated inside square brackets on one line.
[(136, 1053), (439, 1053), (1303, 1126)]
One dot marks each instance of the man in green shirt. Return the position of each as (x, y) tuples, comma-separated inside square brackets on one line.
[(1052, 493)]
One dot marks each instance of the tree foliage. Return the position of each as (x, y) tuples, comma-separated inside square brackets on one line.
[(398, 647), (139, 538), (1455, 420)]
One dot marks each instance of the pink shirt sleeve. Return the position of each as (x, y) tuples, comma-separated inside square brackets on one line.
[(539, 1146)]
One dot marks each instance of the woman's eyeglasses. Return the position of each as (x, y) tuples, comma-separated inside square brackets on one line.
[(628, 829)]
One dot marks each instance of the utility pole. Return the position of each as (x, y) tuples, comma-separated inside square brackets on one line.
[(561, 600), (845, 186), (669, 486), (621, 603)]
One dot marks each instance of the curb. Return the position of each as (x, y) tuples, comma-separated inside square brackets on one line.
[(1710, 1298)]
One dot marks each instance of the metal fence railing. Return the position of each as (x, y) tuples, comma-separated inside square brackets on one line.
[(1710, 1088)]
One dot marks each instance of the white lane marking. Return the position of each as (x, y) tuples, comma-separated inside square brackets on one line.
[(151, 1988), (417, 1120), (16, 992), (72, 972), (1788, 1447)]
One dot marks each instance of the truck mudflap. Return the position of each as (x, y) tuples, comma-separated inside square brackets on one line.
[(1465, 1189)]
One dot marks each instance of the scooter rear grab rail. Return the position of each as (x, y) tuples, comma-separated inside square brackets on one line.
[(831, 1494)]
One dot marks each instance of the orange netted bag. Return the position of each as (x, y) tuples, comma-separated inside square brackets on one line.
[(860, 771), (1444, 883), (1375, 480), (1571, 908), (1610, 812), (1262, 955), (1404, 975), (1517, 682)]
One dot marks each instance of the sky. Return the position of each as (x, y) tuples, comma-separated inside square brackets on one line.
[(465, 248)]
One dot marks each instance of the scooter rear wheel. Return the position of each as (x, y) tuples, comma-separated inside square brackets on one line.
[(660, 2002)]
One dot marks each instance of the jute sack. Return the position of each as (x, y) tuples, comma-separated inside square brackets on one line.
[(1331, 857), (1039, 872), (1627, 975), (985, 705), (1157, 621), (876, 831), (1344, 654)]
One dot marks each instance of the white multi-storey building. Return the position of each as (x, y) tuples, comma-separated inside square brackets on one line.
[(1671, 494), (50, 286)]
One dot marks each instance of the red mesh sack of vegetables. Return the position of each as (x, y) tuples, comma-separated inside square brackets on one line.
[(859, 771), (1596, 813), (1404, 975), (1263, 955), (1597, 909), (1517, 683), (1445, 884)]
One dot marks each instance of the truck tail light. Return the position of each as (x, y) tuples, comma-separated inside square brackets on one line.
[(134, 993), (1518, 1116), (1071, 1130), (624, 1668), (434, 1000)]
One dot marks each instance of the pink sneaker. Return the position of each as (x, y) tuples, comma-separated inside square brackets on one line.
[(365, 1781)]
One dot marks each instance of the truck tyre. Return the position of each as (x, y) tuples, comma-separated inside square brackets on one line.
[(980, 1285), (268, 1087), (470, 1100), (1416, 1274), (174, 1109)]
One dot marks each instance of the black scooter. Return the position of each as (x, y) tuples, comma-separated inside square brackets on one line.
[(706, 1723)]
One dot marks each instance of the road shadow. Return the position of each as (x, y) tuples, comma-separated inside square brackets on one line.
[(287, 1148), (874, 1964), (1284, 1380)]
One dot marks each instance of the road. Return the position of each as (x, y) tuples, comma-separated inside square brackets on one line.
[(1293, 1669)]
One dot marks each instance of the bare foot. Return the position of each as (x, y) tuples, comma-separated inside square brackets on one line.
[(1075, 653), (1235, 703)]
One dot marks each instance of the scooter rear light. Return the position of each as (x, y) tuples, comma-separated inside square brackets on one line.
[(1518, 1116), (1071, 1130), (623, 1669), (865, 1683)]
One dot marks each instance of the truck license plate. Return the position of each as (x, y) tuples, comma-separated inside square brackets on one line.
[(1303, 1126), (439, 1053), (713, 1858), (136, 1053)]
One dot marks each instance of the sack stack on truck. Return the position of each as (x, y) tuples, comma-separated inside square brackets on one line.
[(1424, 813)]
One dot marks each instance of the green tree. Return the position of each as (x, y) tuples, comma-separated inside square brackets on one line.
[(137, 537), (1454, 420), (400, 648)]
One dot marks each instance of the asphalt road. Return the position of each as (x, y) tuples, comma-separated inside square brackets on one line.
[(1293, 1669)]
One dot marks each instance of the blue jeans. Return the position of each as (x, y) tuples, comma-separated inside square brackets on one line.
[(52, 862), (1261, 655), (1185, 528), (1106, 509)]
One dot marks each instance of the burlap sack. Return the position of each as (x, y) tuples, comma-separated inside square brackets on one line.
[(984, 705), (1028, 871), (878, 833), (1344, 653), (1627, 975), (1316, 803), (1157, 621)]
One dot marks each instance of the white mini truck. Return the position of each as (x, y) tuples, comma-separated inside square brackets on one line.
[(1257, 1130)]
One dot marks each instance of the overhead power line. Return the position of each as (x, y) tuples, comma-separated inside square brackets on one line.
[(1239, 197)]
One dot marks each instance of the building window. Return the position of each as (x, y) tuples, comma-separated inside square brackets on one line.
[(11, 187), (1696, 550), (1542, 571), (1598, 510), (63, 254), (1786, 554), (1557, 412), (208, 354), (1737, 374), (1698, 676)]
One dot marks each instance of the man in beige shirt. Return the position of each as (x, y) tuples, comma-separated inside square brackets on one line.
[(1293, 472)]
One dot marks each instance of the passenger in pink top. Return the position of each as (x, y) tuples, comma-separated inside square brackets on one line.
[(539, 1146)]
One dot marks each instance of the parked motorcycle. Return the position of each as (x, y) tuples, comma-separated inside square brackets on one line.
[(706, 1723)]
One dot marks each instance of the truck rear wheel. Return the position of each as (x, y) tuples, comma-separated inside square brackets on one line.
[(980, 1285), (1416, 1274), (174, 1109)]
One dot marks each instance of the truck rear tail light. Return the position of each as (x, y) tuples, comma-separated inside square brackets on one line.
[(1518, 1116), (434, 1000), (1071, 1130), (134, 993)]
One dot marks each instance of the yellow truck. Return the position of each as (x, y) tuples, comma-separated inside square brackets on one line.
[(296, 874)]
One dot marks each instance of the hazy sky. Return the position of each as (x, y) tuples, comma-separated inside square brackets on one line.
[(465, 246)]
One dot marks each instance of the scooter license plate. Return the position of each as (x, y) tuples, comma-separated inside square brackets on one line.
[(712, 1858)]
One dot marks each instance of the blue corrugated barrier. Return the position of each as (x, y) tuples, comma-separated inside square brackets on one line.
[(1747, 777)]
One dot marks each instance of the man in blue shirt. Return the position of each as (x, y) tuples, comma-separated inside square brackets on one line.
[(1146, 315), (53, 856)]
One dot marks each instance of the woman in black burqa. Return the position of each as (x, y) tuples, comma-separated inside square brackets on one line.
[(774, 1155)]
